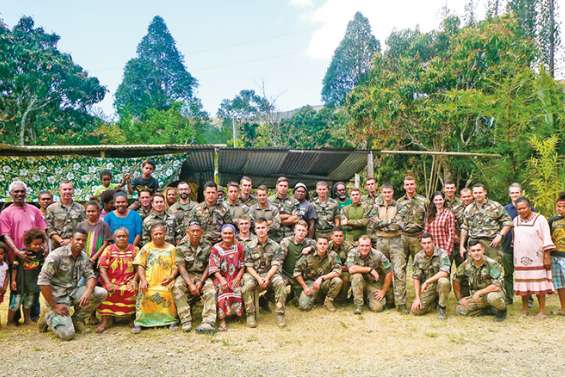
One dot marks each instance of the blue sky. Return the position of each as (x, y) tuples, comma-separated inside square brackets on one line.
[(285, 45)]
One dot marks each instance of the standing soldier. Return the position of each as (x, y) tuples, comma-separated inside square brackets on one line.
[(158, 215), (431, 278), (211, 214), (263, 262), (371, 276), (318, 274), (412, 211), (287, 207), (246, 186), (450, 191), (354, 217), (237, 208), (372, 196), (486, 221), (181, 210), (327, 210), (63, 217), (341, 247), (192, 257), (486, 284), (145, 199), (263, 209)]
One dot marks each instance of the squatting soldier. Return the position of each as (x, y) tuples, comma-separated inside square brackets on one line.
[(371, 276), (486, 221), (412, 211), (486, 284), (263, 261), (158, 215), (59, 283), (63, 217), (327, 210), (211, 214), (262, 209), (237, 209), (288, 209), (384, 230), (244, 226), (354, 217), (246, 186), (318, 275), (431, 278), (181, 210), (293, 247), (192, 283), (341, 247)]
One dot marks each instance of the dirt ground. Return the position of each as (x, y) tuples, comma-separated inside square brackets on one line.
[(317, 343)]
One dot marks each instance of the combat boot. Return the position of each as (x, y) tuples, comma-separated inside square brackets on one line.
[(281, 322), (500, 315), (358, 310), (442, 313), (329, 304), (402, 309)]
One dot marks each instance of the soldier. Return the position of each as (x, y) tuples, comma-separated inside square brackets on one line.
[(305, 210), (262, 209), (431, 278), (246, 186), (181, 210), (412, 211), (235, 206), (211, 215), (354, 217), (486, 221), (192, 283), (263, 262), (287, 207), (372, 196), (371, 276), (318, 275), (341, 247), (59, 283), (451, 199), (384, 230), (244, 226), (486, 284), (63, 217), (145, 199), (158, 215), (327, 210)]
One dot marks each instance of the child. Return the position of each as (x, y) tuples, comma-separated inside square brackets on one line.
[(106, 180), (107, 202), (24, 275), (98, 232), (3, 270), (146, 181), (557, 227)]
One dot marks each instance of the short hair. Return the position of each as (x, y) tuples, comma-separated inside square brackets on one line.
[(302, 223), (475, 243), (409, 177), (426, 235), (364, 237), (211, 184), (561, 197), (34, 234), (355, 189), (245, 178), (464, 189), (515, 185), (322, 237), (145, 190), (260, 220), (117, 194), (66, 182), (158, 195), (370, 179), (16, 183), (92, 203), (322, 184), (233, 184), (282, 179), (387, 186), (107, 196), (479, 185), (157, 225), (448, 182), (105, 173), (262, 188), (121, 229), (337, 229), (244, 216), (45, 192), (80, 231), (149, 162), (523, 199)]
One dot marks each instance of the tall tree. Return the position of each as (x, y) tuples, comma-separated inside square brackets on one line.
[(41, 88), (157, 77), (526, 11), (351, 61), (548, 34)]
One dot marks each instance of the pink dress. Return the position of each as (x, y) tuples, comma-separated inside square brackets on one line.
[(228, 262), (531, 238)]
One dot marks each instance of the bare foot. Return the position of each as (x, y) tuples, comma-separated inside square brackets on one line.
[(524, 312), (26, 323), (222, 326), (560, 312), (541, 315), (104, 324)]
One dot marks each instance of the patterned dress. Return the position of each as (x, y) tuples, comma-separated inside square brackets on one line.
[(228, 262), (120, 270), (156, 307)]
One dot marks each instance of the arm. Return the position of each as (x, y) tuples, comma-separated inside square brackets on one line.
[(110, 287), (433, 279), (47, 293), (300, 280), (457, 288), (13, 283), (96, 255), (185, 276), (486, 290), (85, 298), (311, 226), (11, 244), (450, 229), (142, 279), (462, 241)]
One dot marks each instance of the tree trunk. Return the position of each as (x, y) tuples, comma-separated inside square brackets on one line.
[(552, 34), (23, 121)]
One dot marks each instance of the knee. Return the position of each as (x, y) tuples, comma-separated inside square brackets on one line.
[(336, 282), (65, 333), (100, 294), (357, 279), (305, 303), (376, 306), (496, 299), (443, 285)]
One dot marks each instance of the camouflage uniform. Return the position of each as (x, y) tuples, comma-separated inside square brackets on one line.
[(364, 285), (357, 216), (384, 230), (271, 213), (483, 224), (261, 257), (249, 201), (453, 203), (181, 214), (212, 219), (236, 210), (370, 200), (252, 237), (182, 209), (292, 252), (195, 260), (311, 267), (158, 218), (437, 292), (327, 212), (412, 214), (489, 272), (286, 206), (144, 212), (62, 272), (62, 220), (342, 251)]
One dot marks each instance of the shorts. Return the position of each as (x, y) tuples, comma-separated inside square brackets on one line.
[(24, 299), (558, 272)]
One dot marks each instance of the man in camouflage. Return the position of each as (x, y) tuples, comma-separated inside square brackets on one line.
[(63, 217), (263, 262), (450, 191), (59, 280), (341, 247), (431, 278), (318, 275), (372, 195), (145, 200), (246, 197), (236, 208), (244, 234), (288, 208), (486, 284), (485, 221), (263, 209), (158, 215), (354, 217), (327, 210), (211, 214), (412, 211), (192, 283), (181, 210), (384, 230), (293, 247), (371, 276)]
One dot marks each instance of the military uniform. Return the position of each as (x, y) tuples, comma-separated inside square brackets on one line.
[(271, 213), (364, 285), (181, 214), (249, 201), (212, 219), (144, 212), (158, 218), (311, 267), (483, 223), (425, 267), (195, 260), (292, 252), (370, 200), (452, 203), (62, 220), (412, 214), (342, 251), (261, 257), (236, 210), (327, 212), (286, 206), (458, 211), (62, 272), (489, 272), (357, 220), (181, 208), (247, 241)]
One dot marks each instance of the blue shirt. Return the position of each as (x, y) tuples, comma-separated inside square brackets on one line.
[(132, 222)]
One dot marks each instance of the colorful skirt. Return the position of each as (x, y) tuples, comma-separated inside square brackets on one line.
[(156, 307), (121, 303)]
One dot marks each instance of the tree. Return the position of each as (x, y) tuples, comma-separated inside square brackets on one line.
[(548, 34), (157, 78), (351, 61), (43, 92)]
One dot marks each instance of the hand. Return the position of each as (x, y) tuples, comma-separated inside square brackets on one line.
[(464, 301), (61, 309), (476, 296), (131, 286), (110, 287), (127, 177), (344, 268), (85, 298), (223, 284), (462, 252), (425, 285), (13, 286), (236, 283), (166, 281), (93, 261), (65, 241), (496, 241), (416, 305), (306, 250), (344, 221), (143, 285), (308, 291), (22, 255), (317, 284), (375, 275), (379, 295), (547, 261), (199, 286), (263, 283), (194, 291)]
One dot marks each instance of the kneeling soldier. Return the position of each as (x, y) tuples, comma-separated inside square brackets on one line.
[(263, 260), (431, 278), (371, 276), (486, 282), (318, 274)]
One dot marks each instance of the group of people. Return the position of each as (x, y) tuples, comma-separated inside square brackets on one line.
[(154, 258)]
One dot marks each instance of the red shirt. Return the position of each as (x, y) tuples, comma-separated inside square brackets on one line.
[(442, 229), (16, 220)]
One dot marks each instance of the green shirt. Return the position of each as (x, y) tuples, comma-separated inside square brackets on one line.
[(292, 252)]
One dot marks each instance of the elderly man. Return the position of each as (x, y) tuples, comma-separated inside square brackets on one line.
[(63, 217), (59, 283)]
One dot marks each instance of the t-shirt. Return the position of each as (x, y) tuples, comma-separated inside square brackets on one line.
[(96, 235), (139, 183), (131, 222), (98, 190), (307, 211), (28, 272), (16, 220)]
